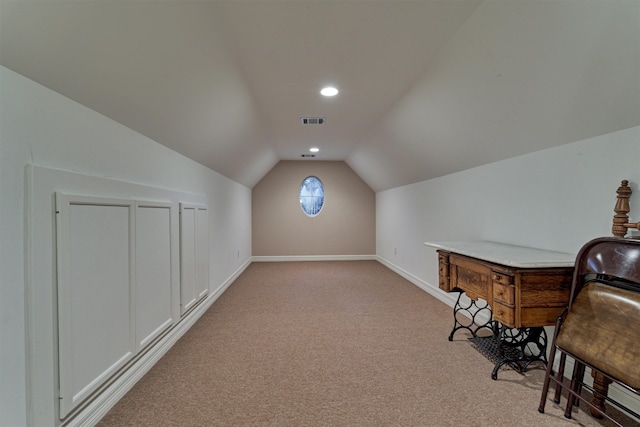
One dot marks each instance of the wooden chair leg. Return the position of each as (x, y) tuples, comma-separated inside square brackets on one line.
[(601, 388)]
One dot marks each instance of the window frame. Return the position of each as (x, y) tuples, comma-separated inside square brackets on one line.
[(312, 213)]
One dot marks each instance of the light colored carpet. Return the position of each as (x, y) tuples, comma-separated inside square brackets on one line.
[(330, 344)]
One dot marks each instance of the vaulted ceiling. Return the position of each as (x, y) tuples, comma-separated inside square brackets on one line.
[(427, 88)]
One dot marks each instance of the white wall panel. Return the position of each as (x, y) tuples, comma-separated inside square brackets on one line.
[(194, 255), (202, 252), (115, 297), (95, 334), (187, 258), (153, 271)]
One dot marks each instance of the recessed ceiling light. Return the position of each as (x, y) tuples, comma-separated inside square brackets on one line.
[(314, 149), (329, 91)]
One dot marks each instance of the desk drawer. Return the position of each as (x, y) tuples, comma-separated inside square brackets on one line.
[(504, 294), (443, 270), (504, 314), (472, 277), (502, 279), (444, 284)]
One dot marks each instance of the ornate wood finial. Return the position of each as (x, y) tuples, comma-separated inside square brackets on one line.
[(622, 210)]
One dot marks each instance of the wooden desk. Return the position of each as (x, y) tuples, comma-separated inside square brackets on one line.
[(523, 287)]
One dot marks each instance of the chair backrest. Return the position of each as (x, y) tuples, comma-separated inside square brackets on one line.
[(609, 258), (600, 328)]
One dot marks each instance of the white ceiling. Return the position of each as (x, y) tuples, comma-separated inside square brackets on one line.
[(427, 88)]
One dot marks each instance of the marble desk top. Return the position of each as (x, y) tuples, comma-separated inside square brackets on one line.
[(509, 255)]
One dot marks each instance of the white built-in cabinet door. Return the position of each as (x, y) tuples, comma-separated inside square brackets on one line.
[(116, 292), (202, 252), (96, 335), (194, 255), (153, 265)]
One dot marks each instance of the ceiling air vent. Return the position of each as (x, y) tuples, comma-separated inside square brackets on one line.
[(307, 155), (312, 120)]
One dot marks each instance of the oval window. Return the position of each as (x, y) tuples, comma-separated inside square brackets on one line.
[(311, 196)]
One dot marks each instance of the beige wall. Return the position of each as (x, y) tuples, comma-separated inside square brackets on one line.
[(345, 226)]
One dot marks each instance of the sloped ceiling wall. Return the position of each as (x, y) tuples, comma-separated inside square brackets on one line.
[(517, 77), (159, 68)]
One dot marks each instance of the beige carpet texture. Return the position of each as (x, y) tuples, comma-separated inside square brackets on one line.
[(347, 343)]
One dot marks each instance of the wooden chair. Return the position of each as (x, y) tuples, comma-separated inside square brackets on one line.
[(601, 327)]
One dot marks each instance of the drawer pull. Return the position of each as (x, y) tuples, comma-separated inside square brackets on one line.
[(500, 293)]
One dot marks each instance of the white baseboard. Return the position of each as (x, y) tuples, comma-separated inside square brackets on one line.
[(434, 291), (286, 258), (103, 402)]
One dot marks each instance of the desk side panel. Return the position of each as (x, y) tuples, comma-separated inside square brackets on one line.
[(444, 281), (543, 295)]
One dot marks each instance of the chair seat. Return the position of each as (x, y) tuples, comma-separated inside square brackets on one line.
[(603, 328)]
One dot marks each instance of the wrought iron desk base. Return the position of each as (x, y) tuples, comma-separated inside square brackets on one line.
[(517, 347)]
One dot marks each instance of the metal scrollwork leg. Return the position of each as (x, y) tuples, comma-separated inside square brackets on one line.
[(471, 311), (519, 348)]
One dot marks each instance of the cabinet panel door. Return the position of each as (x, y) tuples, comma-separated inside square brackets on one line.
[(94, 313), (153, 271), (202, 252), (194, 255), (188, 296)]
